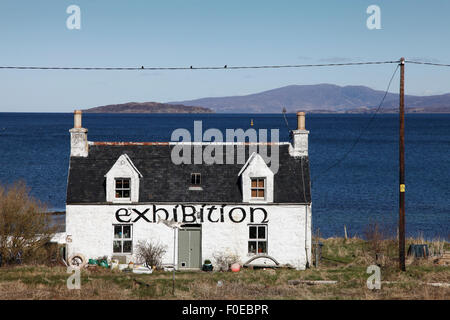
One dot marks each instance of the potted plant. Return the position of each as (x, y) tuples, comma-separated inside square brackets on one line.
[(207, 266)]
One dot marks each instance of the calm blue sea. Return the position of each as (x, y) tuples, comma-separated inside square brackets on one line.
[(362, 189)]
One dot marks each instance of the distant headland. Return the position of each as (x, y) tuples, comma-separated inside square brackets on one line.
[(148, 107), (322, 98), (319, 98)]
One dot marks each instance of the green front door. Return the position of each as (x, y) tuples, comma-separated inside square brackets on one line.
[(189, 247)]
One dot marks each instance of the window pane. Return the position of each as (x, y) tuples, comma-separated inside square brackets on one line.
[(252, 233), (254, 183), (127, 246), (127, 232), (254, 193), (118, 183), (117, 232), (126, 183), (117, 247), (118, 194), (252, 247), (260, 183), (261, 232), (125, 193), (262, 247), (261, 193), (196, 179)]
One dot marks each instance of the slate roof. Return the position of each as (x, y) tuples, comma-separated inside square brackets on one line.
[(163, 181)]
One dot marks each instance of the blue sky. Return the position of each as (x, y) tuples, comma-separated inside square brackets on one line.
[(204, 33)]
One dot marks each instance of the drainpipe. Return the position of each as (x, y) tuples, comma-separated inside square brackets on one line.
[(308, 262)]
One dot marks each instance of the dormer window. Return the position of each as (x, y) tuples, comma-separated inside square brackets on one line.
[(256, 180), (123, 188), (122, 181), (258, 188), (196, 179), (196, 182)]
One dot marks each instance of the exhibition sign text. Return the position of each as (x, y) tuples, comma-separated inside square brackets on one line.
[(193, 214)]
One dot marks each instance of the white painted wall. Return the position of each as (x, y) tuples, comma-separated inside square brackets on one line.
[(289, 231)]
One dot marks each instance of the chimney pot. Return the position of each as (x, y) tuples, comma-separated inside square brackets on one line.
[(300, 121), (77, 119)]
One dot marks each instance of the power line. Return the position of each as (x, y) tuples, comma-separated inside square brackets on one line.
[(429, 63), (363, 130), (219, 68), (225, 67)]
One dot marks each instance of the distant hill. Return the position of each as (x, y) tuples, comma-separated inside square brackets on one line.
[(321, 98), (148, 107)]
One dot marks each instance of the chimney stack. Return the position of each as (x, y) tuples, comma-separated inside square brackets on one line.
[(78, 137), (299, 147)]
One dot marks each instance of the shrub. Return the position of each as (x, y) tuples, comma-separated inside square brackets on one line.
[(225, 260), (374, 235), (150, 253), (48, 254), (381, 244), (25, 228)]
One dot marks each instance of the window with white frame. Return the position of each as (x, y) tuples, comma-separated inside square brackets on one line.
[(258, 187), (123, 188), (257, 239), (123, 241)]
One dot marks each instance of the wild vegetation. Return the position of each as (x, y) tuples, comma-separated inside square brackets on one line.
[(150, 253), (343, 260), (30, 267), (25, 228)]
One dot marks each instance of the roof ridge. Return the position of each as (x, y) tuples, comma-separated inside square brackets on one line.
[(125, 143)]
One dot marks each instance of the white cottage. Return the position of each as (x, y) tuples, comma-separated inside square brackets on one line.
[(117, 193)]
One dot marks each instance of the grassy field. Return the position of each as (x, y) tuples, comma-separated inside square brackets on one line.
[(345, 261)]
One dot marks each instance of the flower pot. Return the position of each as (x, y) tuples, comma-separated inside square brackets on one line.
[(207, 267)]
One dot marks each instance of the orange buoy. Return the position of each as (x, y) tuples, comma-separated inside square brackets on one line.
[(235, 267)]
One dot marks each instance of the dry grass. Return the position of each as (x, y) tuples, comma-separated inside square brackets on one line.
[(343, 260)]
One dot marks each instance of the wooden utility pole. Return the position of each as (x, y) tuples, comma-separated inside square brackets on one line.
[(401, 220), (174, 261)]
